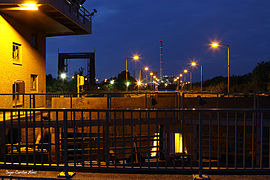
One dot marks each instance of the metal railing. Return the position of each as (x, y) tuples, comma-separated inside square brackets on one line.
[(121, 100), (82, 13), (164, 140)]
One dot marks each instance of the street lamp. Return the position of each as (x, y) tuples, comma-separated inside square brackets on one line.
[(216, 45), (63, 76), (194, 64), (146, 69), (135, 58), (29, 6), (139, 84), (190, 76)]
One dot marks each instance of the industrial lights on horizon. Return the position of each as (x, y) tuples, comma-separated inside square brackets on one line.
[(29, 6)]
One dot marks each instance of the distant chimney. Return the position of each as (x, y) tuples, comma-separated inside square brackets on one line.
[(161, 61)]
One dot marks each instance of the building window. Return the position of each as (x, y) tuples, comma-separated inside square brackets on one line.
[(33, 41), (34, 82), (18, 90), (16, 53)]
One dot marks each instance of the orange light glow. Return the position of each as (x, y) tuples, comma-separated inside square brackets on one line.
[(139, 83), (193, 64), (136, 57), (185, 71), (146, 68), (29, 6), (215, 44)]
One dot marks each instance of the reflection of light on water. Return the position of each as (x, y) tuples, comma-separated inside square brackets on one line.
[(178, 140), (155, 145)]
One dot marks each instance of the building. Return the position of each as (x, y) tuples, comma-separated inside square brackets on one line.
[(24, 27)]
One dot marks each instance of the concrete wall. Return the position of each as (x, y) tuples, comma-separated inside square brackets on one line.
[(33, 59)]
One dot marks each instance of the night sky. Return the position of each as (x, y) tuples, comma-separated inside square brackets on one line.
[(126, 27)]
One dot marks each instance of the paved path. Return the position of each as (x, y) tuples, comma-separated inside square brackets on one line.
[(110, 176)]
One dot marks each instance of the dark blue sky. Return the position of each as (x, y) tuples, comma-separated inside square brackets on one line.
[(125, 27)]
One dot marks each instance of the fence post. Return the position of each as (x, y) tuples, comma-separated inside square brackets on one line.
[(200, 145), (65, 145), (217, 100), (146, 100), (107, 138), (34, 101), (183, 100), (71, 101)]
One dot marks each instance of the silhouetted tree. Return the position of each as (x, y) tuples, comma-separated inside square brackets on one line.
[(261, 77)]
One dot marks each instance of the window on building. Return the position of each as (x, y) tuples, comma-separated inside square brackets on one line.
[(16, 53), (18, 90), (34, 82), (33, 41)]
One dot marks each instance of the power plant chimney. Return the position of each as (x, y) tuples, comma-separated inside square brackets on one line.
[(161, 61)]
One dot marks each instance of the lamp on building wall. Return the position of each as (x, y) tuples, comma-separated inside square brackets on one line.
[(29, 6)]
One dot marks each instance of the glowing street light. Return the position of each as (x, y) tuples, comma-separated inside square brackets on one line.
[(146, 69), (216, 45), (63, 76), (136, 58), (194, 64), (139, 83), (112, 82)]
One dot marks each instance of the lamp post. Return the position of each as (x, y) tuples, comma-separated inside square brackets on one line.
[(195, 64), (135, 58), (63, 76), (146, 70), (180, 81), (216, 45), (185, 72), (151, 80)]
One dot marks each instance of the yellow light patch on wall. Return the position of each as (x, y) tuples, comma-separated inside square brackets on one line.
[(178, 140), (155, 145), (19, 63)]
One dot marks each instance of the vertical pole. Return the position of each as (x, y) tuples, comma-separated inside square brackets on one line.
[(191, 80), (65, 144), (228, 70), (78, 85), (200, 145), (161, 60), (201, 77), (126, 75)]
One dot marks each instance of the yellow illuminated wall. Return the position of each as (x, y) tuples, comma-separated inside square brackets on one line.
[(178, 143), (33, 59)]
